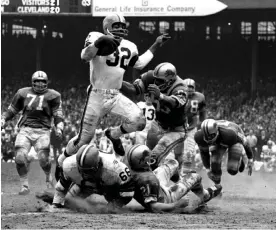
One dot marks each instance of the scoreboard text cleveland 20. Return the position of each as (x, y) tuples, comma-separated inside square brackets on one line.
[(48, 7)]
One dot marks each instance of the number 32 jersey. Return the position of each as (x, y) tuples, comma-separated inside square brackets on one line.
[(38, 109), (112, 67)]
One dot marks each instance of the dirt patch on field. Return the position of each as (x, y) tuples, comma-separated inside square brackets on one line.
[(247, 202)]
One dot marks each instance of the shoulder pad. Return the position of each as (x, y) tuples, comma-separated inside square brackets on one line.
[(228, 136), (24, 91)]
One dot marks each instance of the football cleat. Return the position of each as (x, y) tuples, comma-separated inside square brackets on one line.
[(213, 191), (56, 208), (117, 143), (24, 190)]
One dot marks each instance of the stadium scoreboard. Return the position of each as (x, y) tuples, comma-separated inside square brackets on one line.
[(46, 7)]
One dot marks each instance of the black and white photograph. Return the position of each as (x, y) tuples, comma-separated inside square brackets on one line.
[(138, 114)]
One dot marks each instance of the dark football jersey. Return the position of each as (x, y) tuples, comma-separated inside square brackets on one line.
[(195, 104), (147, 188), (37, 109), (168, 117), (229, 134)]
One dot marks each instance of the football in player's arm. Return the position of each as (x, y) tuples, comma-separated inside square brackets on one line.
[(109, 55)]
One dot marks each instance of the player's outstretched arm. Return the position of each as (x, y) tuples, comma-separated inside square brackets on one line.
[(146, 57), (170, 207)]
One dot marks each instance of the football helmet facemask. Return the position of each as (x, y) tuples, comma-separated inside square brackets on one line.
[(210, 130), (115, 25), (40, 81), (164, 75), (139, 158), (190, 83)]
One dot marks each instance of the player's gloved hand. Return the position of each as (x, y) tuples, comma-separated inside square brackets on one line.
[(2, 123), (162, 39), (250, 165), (154, 90), (59, 133)]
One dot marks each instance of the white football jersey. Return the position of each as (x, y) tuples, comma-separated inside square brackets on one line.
[(108, 71), (113, 172), (148, 111)]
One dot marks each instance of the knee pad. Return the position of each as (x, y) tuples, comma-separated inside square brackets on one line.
[(21, 156), (44, 157)]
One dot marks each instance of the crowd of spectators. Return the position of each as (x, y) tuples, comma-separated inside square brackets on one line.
[(224, 79)]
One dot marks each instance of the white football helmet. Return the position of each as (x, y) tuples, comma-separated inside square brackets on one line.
[(191, 85), (115, 24), (210, 130), (139, 157), (39, 81), (164, 75)]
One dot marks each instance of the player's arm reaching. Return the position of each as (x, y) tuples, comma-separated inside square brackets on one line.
[(202, 112), (139, 62), (176, 100), (56, 105), (14, 108)]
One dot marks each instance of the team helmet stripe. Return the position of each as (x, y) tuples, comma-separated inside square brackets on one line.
[(160, 65), (83, 154)]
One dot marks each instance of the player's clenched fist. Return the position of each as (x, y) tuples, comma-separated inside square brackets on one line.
[(163, 38)]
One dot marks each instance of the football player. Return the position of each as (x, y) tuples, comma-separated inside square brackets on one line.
[(217, 136), (169, 98), (149, 112), (38, 105), (106, 76), (155, 191), (92, 172), (195, 107)]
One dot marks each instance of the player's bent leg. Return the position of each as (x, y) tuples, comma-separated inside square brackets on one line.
[(133, 120), (22, 167), (42, 147), (235, 158), (131, 114), (154, 134), (165, 145), (93, 111), (166, 170), (189, 152), (215, 170), (184, 185)]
